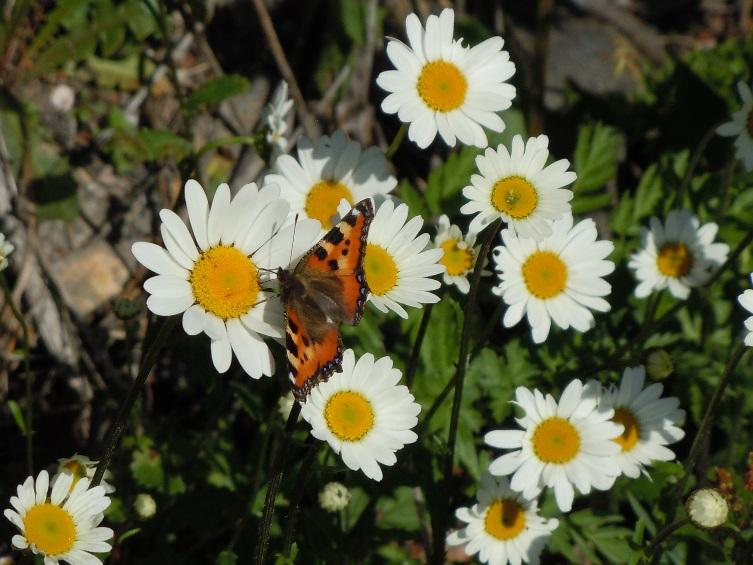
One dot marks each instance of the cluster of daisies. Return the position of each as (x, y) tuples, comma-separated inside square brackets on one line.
[(218, 272)]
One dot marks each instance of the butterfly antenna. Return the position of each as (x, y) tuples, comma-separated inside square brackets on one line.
[(292, 241)]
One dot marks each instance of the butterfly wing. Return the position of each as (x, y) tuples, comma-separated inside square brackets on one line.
[(315, 350), (333, 269)]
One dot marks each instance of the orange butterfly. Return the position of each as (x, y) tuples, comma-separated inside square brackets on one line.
[(326, 288)]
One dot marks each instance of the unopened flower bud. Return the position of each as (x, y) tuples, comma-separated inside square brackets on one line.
[(707, 508), (659, 365), (145, 506), (334, 497)]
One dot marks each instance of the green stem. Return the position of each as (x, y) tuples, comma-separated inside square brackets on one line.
[(410, 371), (396, 141), (439, 538), (27, 374), (299, 490), (692, 166), (115, 432), (665, 533), (274, 484)]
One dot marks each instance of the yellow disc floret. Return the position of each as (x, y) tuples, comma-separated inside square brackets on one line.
[(457, 258), (324, 198), (380, 269), (514, 196), (675, 260), (442, 86), (504, 519), (225, 282), (545, 274), (50, 529), (556, 440), (632, 433), (349, 415)]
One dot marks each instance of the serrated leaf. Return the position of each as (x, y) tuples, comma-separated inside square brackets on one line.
[(215, 91), (648, 194), (595, 157)]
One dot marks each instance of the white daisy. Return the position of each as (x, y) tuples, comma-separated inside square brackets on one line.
[(62, 525), (6, 248), (363, 413), (79, 467), (678, 255), (460, 255), (746, 301), (397, 261), (502, 527), (439, 85), (741, 126), (556, 279), (650, 422), (519, 187), (224, 282), (275, 119), (561, 446), (322, 176)]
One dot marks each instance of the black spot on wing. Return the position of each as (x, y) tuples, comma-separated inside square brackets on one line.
[(334, 236), (345, 252), (320, 253), (306, 341), (293, 327), (333, 264), (350, 219)]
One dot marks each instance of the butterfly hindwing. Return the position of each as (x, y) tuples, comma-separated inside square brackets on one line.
[(326, 288)]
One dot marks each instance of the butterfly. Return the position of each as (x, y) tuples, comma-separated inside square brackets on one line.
[(326, 288)]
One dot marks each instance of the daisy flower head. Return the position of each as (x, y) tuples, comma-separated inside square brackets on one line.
[(460, 255), (61, 525), (741, 127), (80, 466), (565, 446), (678, 254), (519, 187), (746, 301), (559, 278), (6, 248), (222, 279), (438, 85), (275, 119), (650, 422), (323, 175), (398, 261), (363, 413), (503, 526)]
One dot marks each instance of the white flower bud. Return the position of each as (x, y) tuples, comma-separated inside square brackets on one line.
[(145, 506), (334, 497), (707, 508)]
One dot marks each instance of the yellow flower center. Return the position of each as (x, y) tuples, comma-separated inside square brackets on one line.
[(442, 86), (324, 198), (556, 440), (50, 529), (457, 260), (349, 415), (504, 519), (675, 260), (75, 469), (225, 282), (514, 196), (632, 432), (380, 269), (545, 274)]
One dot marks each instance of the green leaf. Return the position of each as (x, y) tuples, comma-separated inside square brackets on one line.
[(588, 203), (648, 194), (146, 468), (443, 191), (595, 157), (18, 417), (163, 143), (129, 534), (56, 198), (398, 512), (215, 91), (227, 557), (224, 142), (353, 18), (414, 199)]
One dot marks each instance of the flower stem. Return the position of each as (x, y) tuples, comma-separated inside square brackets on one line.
[(665, 533), (274, 483), (692, 166), (439, 537), (27, 374), (396, 142), (410, 371), (299, 490), (115, 432)]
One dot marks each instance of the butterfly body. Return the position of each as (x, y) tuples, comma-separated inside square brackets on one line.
[(326, 288)]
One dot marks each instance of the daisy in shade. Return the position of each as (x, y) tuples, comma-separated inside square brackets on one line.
[(460, 255), (363, 413), (556, 279), (741, 127), (565, 446), (439, 85), (398, 261), (519, 187), (62, 525), (275, 119), (222, 279), (80, 466), (678, 255), (746, 301), (650, 422), (322, 176), (502, 527)]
